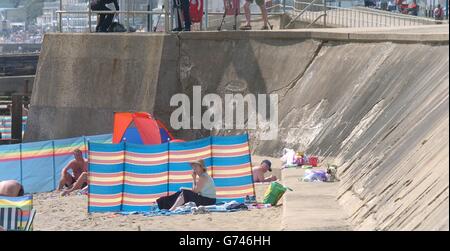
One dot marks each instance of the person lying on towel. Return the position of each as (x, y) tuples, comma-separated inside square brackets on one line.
[(11, 188), (79, 176), (259, 171), (203, 191)]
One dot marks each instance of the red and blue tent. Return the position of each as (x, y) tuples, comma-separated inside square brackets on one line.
[(139, 128)]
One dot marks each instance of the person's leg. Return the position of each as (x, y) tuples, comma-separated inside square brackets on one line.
[(176, 9), (100, 17), (108, 21), (263, 12), (103, 23), (66, 180), (186, 15), (78, 184), (178, 202), (247, 12), (166, 202), (205, 201)]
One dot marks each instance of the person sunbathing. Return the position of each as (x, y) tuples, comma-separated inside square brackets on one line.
[(203, 191), (79, 176), (259, 171), (11, 188)]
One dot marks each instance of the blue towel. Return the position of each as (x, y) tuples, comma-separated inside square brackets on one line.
[(232, 206)]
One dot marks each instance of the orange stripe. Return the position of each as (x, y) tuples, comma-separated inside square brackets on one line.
[(228, 147), (136, 175), (177, 181), (106, 196), (183, 152), (143, 196), (104, 204), (105, 175), (105, 183), (232, 167), (105, 162), (234, 175), (145, 183), (231, 154), (234, 188), (132, 203), (179, 173), (146, 155), (105, 154), (179, 160), (145, 162)]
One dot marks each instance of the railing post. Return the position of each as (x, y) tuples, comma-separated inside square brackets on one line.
[(60, 16), (166, 16), (446, 9), (89, 18), (16, 117), (284, 6), (128, 16), (324, 12), (206, 10), (150, 16)]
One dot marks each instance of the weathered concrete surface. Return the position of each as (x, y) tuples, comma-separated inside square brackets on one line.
[(378, 121), (379, 110), (312, 206), (83, 79)]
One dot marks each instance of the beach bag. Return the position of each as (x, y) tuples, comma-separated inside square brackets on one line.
[(196, 10), (313, 161), (117, 27), (274, 193)]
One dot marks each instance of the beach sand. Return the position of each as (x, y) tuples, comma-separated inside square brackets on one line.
[(70, 213)]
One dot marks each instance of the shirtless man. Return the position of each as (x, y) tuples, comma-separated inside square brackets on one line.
[(259, 171), (79, 177), (11, 188)]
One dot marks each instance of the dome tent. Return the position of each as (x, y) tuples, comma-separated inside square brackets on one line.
[(139, 128)]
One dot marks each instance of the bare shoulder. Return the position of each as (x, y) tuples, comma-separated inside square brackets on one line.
[(71, 164)]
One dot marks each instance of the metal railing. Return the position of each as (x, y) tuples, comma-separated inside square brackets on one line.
[(90, 13), (167, 13), (128, 14), (319, 12), (308, 7), (334, 16)]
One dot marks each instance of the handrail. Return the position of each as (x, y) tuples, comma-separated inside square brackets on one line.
[(372, 10), (90, 12), (369, 11), (355, 17), (109, 12), (315, 20), (301, 13), (337, 16)]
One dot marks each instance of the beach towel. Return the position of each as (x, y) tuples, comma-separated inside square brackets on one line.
[(191, 208), (315, 176)]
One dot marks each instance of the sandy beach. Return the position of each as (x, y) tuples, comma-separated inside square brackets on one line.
[(70, 213)]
